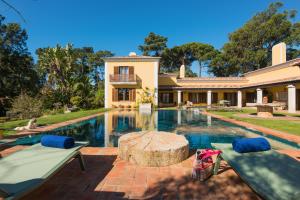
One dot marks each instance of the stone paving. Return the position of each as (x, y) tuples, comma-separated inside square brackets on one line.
[(108, 177)]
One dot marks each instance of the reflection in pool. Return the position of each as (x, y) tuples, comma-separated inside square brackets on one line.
[(200, 130)]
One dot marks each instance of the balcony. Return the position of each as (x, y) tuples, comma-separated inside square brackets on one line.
[(123, 79)]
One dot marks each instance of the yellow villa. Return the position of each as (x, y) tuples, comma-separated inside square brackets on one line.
[(279, 84)]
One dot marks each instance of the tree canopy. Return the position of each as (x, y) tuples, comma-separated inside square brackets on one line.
[(73, 75), (250, 47), (16, 64), (154, 44)]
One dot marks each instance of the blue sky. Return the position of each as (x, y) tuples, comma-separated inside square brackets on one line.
[(121, 25)]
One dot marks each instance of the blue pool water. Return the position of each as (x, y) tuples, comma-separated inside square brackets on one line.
[(200, 130)]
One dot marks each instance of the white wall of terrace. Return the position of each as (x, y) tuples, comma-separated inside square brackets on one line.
[(179, 100), (259, 95), (239, 99), (291, 98)]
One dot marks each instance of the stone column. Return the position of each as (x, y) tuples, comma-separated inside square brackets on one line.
[(209, 98), (239, 99), (259, 96), (291, 99), (178, 97)]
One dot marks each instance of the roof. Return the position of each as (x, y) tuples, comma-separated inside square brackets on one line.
[(168, 74), (212, 79), (284, 80), (195, 87), (294, 62), (131, 58)]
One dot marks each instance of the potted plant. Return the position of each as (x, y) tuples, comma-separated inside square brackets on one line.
[(146, 99)]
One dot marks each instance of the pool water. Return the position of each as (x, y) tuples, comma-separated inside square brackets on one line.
[(200, 130)]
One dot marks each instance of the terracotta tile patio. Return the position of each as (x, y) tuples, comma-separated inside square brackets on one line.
[(108, 177)]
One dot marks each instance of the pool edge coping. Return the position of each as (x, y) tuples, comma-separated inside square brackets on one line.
[(51, 127)]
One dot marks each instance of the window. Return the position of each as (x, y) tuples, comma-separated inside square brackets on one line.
[(214, 97), (232, 97), (165, 97), (123, 94), (282, 96), (198, 97), (123, 70), (250, 97)]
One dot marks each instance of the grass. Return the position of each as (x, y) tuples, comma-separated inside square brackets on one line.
[(168, 108), (289, 126), (8, 127)]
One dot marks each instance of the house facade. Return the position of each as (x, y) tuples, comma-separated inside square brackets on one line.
[(279, 84)]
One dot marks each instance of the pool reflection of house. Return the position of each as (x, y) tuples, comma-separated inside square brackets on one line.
[(278, 84), (123, 121)]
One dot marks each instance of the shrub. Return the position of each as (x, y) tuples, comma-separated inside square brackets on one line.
[(146, 96), (27, 107), (99, 99), (76, 101)]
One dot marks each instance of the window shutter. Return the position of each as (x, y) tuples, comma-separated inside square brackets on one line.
[(116, 70), (133, 94), (131, 70), (130, 94), (115, 94)]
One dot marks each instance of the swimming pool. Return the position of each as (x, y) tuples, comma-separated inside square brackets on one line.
[(200, 130)]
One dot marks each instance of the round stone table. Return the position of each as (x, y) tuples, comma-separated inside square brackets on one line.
[(264, 111), (153, 148)]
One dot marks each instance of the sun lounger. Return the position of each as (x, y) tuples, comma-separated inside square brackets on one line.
[(26, 170), (270, 174)]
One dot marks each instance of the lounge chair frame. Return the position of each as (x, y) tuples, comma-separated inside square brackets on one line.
[(75, 155)]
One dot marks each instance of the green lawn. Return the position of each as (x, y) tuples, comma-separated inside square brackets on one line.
[(168, 108), (291, 126), (48, 119)]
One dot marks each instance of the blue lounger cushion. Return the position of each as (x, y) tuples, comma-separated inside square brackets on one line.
[(56, 141), (245, 145)]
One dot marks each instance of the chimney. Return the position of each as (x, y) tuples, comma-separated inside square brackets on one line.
[(132, 54), (182, 71), (279, 53)]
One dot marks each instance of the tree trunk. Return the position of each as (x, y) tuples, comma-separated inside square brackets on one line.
[(200, 68)]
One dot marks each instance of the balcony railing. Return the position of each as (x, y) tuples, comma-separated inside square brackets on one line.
[(123, 78)]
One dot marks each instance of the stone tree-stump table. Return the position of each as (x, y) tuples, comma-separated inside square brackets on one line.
[(153, 148), (264, 111)]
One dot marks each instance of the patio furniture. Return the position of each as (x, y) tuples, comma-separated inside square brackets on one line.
[(279, 105), (270, 174), (224, 103), (69, 109), (26, 170)]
